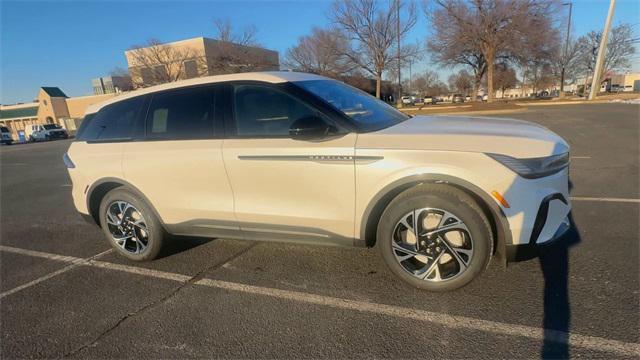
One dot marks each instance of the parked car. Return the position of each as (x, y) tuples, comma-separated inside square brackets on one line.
[(430, 100), (46, 132), (457, 98), (7, 139), (407, 100), (467, 98), (482, 98), (313, 160)]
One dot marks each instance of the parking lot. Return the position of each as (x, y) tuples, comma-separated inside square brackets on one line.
[(65, 294)]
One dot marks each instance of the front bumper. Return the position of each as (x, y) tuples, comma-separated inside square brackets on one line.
[(523, 252)]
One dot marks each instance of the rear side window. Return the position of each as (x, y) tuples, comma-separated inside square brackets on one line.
[(113, 122), (182, 114)]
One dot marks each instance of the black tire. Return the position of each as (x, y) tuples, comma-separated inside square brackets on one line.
[(47, 138), (452, 200), (156, 234)]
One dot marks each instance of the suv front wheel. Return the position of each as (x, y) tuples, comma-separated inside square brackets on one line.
[(435, 237), (130, 225)]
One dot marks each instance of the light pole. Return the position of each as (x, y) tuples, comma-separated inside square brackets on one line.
[(566, 50), (399, 65), (595, 82), (410, 77)]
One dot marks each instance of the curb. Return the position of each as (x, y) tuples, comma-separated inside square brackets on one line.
[(575, 102), (481, 112)]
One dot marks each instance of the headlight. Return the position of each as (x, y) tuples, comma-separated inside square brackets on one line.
[(533, 168)]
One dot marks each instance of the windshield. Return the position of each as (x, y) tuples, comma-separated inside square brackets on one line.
[(369, 113), (4, 129), (51, 126)]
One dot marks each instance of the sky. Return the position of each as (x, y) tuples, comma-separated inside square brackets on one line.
[(68, 43)]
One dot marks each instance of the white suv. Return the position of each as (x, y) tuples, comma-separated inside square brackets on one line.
[(45, 132), (286, 156)]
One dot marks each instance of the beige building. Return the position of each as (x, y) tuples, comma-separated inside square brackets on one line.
[(52, 106), (623, 82), (185, 59), (111, 84)]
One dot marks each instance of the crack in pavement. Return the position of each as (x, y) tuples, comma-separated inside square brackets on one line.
[(192, 280)]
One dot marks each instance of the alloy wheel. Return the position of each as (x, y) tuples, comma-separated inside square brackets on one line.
[(127, 227), (432, 244)]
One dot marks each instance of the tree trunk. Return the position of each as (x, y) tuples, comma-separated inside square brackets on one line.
[(490, 56), (524, 81), (378, 85), (476, 85)]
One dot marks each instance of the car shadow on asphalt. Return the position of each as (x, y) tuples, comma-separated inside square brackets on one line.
[(554, 263), (177, 244)]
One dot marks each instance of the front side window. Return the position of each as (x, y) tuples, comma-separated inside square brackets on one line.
[(263, 111), (51, 127), (181, 114), (368, 113), (113, 122)]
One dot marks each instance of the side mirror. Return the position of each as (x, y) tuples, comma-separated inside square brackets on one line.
[(309, 128)]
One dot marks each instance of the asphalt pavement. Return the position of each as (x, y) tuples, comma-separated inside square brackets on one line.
[(63, 293)]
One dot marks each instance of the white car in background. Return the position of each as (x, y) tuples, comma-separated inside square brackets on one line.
[(316, 161), (408, 100), (46, 132)]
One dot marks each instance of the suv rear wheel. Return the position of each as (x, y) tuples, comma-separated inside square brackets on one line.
[(130, 225), (435, 237)]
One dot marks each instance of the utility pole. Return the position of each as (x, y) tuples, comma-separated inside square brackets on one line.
[(410, 77), (595, 83), (566, 50), (399, 65)]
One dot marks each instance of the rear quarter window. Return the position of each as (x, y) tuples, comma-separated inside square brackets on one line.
[(113, 122), (182, 114)]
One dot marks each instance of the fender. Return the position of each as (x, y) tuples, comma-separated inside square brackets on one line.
[(376, 206), (96, 184)]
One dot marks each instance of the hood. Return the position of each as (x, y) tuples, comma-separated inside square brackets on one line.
[(511, 137)]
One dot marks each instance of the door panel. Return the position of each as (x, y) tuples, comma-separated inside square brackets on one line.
[(179, 166), (293, 190), (285, 189), (185, 180)]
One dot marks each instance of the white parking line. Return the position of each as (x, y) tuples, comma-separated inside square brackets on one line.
[(74, 261), (623, 200), (581, 157), (446, 320)]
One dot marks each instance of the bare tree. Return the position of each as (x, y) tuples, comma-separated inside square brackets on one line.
[(235, 52), (119, 71), (157, 63), (322, 52), (429, 83), (536, 53), (225, 33), (461, 82), (447, 47), (567, 58), (504, 77), (619, 51), (372, 32), (493, 27)]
